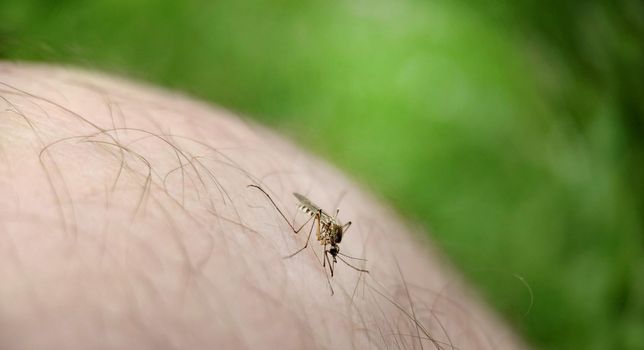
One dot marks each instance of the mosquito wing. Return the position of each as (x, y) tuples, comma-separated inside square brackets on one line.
[(305, 203), (308, 207)]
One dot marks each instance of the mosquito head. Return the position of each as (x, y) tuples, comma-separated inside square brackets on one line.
[(334, 250)]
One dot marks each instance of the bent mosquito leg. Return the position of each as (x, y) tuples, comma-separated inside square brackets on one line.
[(299, 229), (308, 238), (291, 225)]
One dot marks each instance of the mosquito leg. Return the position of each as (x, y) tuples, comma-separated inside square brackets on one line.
[(326, 274), (345, 227), (291, 225), (326, 256), (319, 214), (308, 238), (328, 280), (300, 228)]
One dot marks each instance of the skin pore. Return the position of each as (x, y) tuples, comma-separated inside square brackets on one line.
[(126, 221)]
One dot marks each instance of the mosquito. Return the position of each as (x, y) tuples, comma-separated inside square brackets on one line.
[(329, 231)]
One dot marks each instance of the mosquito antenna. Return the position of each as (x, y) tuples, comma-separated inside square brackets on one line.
[(353, 267), (351, 257)]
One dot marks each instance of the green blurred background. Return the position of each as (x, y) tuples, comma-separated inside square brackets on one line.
[(513, 131)]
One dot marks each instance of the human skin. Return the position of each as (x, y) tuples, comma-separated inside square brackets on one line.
[(126, 221)]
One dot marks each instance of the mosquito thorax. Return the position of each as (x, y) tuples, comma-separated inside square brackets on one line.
[(338, 234)]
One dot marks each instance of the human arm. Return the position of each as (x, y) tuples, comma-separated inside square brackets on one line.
[(126, 221)]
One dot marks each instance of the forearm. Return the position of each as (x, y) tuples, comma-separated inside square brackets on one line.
[(126, 221)]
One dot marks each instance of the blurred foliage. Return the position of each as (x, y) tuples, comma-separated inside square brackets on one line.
[(514, 132)]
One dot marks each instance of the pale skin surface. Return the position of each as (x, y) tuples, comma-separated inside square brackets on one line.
[(126, 222)]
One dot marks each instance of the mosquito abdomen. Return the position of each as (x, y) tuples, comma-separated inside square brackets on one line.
[(306, 209)]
